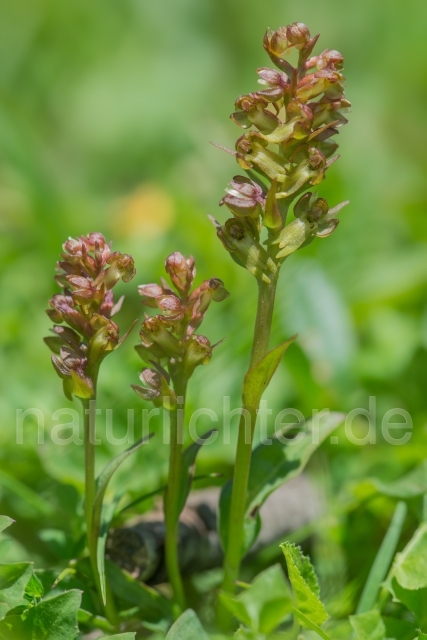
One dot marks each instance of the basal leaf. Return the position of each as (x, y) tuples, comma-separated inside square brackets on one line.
[(368, 626), (5, 522), (305, 589), (101, 487), (13, 580), (258, 377), (410, 567), (187, 627), (265, 604), (53, 619)]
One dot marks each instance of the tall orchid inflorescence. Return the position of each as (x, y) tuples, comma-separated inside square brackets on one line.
[(290, 125), (84, 334), (172, 349), (87, 273), (286, 149), (168, 340)]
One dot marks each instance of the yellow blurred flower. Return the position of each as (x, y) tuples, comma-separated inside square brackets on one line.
[(148, 211)]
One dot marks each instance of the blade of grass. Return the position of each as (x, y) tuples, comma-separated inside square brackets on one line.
[(383, 560)]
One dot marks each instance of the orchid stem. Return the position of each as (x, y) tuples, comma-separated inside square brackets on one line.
[(233, 552), (171, 499)]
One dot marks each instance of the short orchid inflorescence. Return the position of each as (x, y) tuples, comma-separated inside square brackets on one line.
[(87, 273), (287, 148), (169, 343)]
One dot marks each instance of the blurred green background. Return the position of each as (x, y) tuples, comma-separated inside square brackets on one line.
[(107, 109)]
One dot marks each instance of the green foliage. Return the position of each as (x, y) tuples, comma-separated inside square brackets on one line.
[(53, 619), (410, 568), (120, 636), (153, 606), (273, 464), (5, 522), (100, 522), (188, 467), (414, 600), (13, 581), (304, 583), (258, 377), (263, 605), (383, 560), (368, 626), (187, 626)]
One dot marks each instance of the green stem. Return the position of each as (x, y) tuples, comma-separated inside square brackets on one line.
[(233, 553), (171, 499), (89, 408), (89, 422)]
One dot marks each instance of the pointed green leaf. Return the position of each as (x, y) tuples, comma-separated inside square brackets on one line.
[(101, 487), (187, 627), (304, 584), (265, 604), (410, 567), (383, 560), (34, 588), (53, 619), (304, 566), (13, 580), (258, 378), (5, 522), (368, 626)]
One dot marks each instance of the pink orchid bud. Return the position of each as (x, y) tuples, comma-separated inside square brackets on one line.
[(244, 197), (181, 271), (298, 34)]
